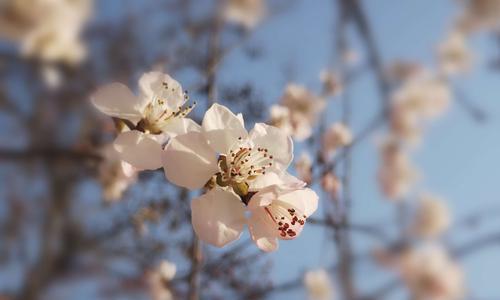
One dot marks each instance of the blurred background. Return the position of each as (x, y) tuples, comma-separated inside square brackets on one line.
[(396, 129)]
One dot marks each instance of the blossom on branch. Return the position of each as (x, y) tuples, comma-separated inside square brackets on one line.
[(303, 166), (47, 29), (159, 281), (336, 136), (150, 119), (276, 212), (247, 13), (318, 284), (244, 172), (454, 55), (420, 98), (298, 112), (429, 273), (396, 173), (432, 217), (115, 174)]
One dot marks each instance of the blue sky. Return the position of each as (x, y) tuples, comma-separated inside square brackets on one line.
[(458, 159)]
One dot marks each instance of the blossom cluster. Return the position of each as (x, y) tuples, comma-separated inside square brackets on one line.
[(46, 29), (243, 174)]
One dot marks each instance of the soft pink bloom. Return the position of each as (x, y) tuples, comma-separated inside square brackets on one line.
[(429, 273), (115, 175), (247, 13), (331, 184), (222, 151), (275, 212), (454, 54), (396, 173), (419, 99), (152, 117), (336, 136), (319, 285), (432, 217), (298, 111), (303, 166)]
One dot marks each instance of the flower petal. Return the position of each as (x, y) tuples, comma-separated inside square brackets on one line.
[(157, 84), (262, 181), (189, 161), (276, 141), (218, 217), (262, 234), (140, 150), (180, 126), (222, 128), (116, 100), (304, 199), (271, 178)]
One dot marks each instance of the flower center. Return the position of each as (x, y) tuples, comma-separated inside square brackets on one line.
[(158, 113), (243, 163), (287, 219)]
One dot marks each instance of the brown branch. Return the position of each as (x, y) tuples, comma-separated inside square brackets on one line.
[(368, 230)]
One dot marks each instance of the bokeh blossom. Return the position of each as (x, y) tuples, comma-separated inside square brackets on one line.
[(432, 217), (419, 99), (298, 111), (303, 166), (454, 54), (159, 281), (396, 173), (430, 273), (319, 285), (336, 136), (49, 30), (247, 13), (115, 175)]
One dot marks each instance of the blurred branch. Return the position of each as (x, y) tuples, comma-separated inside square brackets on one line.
[(474, 111), (49, 154), (360, 20), (369, 230)]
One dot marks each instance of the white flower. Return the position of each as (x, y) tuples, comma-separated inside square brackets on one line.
[(430, 273), (276, 212), (48, 29), (115, 174), (159, 281), (167, 270), (396, 174), (247, 13), (224, 151), (152, 117), (432, 217), (424, 95), (318, 284), (246, 172), (280, 117), (303, 165), (454, 54), (420, 98), (336, 136), (299, 113), (331, 184)]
